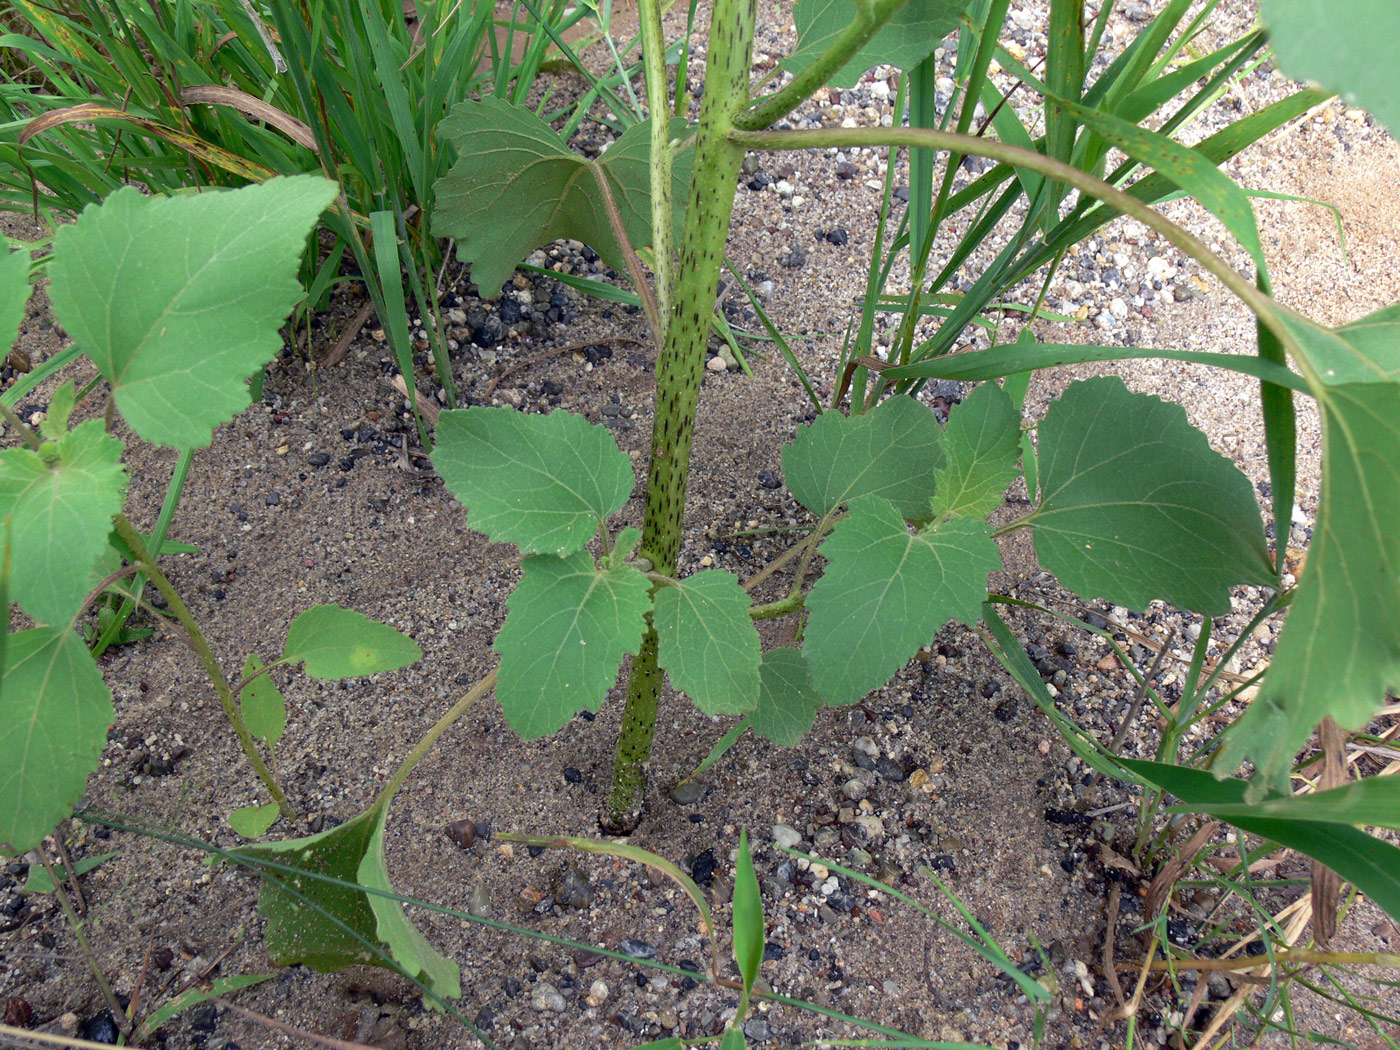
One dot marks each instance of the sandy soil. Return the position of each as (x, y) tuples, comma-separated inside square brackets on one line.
[(372, 530)]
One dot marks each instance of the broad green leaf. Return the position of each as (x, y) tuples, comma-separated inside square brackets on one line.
[(1374, 801), (908, 38), (516, 186), (748, 916), (341, 643), (264, 710), (708, 645), (62, 500), (1187, 168), (1371, 864), (252, 822), (1345, 45), (39, 881), (982, 441), (14, 293), (1366, 350), (569, 626), (733, 1039), (545, 483), (887, 591), (893, 451), (54, 714), (299, 932), (178, 300), (1007, 359), (1136, 506), (788, 702)]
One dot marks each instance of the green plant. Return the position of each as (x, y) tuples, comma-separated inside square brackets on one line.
[(1131, 503)]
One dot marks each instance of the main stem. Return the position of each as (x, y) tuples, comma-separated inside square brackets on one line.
[(679, 369)]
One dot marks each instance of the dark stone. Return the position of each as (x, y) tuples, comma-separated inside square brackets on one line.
[(318, 459), (795, 259), (572, 775), (901, 193), (1066, 817), (702, 869), (273, 499), (462, 832), (760, 181), (769, 480), (1006, 710), (846, 170), (838, 236), (889, 769), (990, 688), (101, 1029)]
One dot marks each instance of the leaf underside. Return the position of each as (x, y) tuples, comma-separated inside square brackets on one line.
[(1136, 506)]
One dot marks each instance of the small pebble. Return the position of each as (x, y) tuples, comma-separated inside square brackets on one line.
[(687, 792), (462, 832), (545, 997), (637, 949), (786, 836)]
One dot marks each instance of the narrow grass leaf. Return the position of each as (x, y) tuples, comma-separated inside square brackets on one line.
[(568, 628), (542, 482), (1006, 359), (1338, 655), (219, 986), (39, 881), (893, 451), (516, 186), (905, 40), (887, 591), (14, 293), (748, 916), (297, 933), (341, 643), (54, 713), (982, 441), (179, 300), (708, 645), (1309, 37), (253, 822), (1374, 801), (1372, 865), (733, 1039), (1137, 506), (788, 702), (264, 710), (61, 500), (1185, 167)]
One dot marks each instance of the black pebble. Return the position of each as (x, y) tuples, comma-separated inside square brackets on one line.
[(511, 986), (1006, 710), (769, 480), (572, 775), (990, 688), (101, 1029), (318, 459), (838, 236), (795, 259), (901, 193), (273, 499), (759, 181), (702, 870)]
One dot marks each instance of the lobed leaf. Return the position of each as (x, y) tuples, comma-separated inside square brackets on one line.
[(707, 644), (306, 934), (568, 628), (1135, 505), (178, 300), (542, 482), (1309, 37), (982, 441), (1339, 654), (887, 591), (893, 451), (341, 643), (61, 501), (908, 38), (788, 702), (54, 713), (516, 186)]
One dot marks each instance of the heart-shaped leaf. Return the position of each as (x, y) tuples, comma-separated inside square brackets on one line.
[(54, 713), (178, 300), (341, 643), (569, 626), (545, 483), (708, 645), (61, 501), (1135, 505), (893, 451), (517, 186)]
